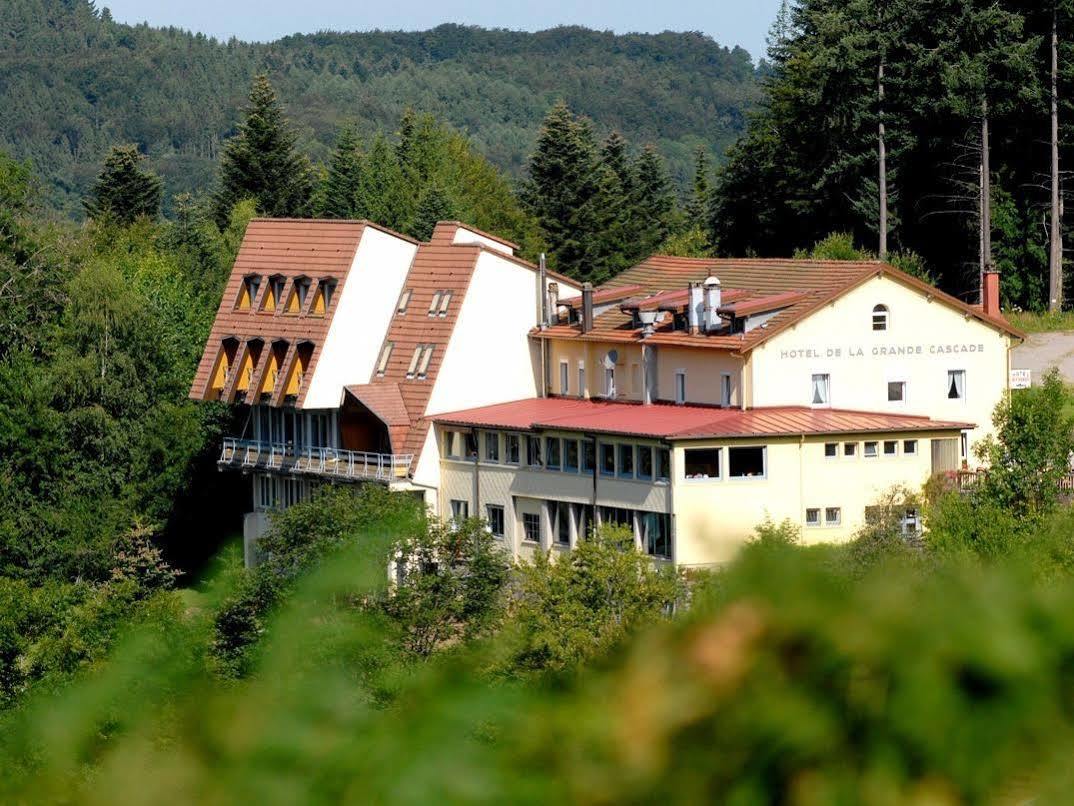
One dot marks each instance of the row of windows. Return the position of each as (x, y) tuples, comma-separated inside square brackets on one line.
[(622, 460), (745, 461), (909, 519), (438, 306), (276, 289), (273, 493), (610, 389), (419, 360), (820, 392), (833, 516), (871, 449), (652, 528)]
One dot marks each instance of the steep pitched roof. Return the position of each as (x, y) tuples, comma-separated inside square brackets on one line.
[(807, 284), (385, 400)]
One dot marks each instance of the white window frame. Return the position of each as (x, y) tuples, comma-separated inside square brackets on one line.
[(581, 379), (816, 521), (884, 448), (564, 378), (853, 450), (525, 533), (881, 315), (725, 389), (459, 505), (404, 301), (385, 357), (680, 387), (907, 442), (835, 455), (503, 519), (838, 521), (827, 402), (609, 383), (947, 386), (865, 449), (492, 438), (764, 463), (905, 391)]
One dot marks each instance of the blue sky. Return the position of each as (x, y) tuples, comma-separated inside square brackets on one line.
[(729, 22)]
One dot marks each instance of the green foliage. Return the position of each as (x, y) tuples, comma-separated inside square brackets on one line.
[(575, 607), (261, 162), (340, 191), (433, 205), (124, 192), (836, 246)]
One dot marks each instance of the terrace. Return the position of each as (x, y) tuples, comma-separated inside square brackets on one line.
[(333, 463)]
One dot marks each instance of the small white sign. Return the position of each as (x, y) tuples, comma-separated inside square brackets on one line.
[(1021, 378)]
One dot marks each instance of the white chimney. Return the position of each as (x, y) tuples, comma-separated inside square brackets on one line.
[(694, 307), (710, 320)]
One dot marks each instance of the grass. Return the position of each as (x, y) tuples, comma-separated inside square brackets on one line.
[(1033, 322)]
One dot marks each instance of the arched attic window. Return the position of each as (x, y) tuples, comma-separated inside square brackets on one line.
[(880, 317)]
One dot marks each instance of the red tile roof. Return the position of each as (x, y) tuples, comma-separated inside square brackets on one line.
[(385, 400), (671, 422), (818, 282)]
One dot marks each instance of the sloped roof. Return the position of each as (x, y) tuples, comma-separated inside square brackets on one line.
[(385, 400), (807, 284), (672, 422)]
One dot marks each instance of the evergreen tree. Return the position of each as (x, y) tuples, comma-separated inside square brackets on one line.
[(341, 189), (697, 204), (615, 208), (261, 162), (123, 191), (654, 202), (383, 194), (433, 205), (561, 192)]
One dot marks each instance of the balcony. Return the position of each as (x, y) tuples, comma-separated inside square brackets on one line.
[(334, 463)]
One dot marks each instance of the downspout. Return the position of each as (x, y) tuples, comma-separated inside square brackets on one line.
[(596, 465), (477, 471), (672, 523), (801, 475), (542, 322)]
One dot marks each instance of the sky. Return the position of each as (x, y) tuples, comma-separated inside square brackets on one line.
[(729, 22)]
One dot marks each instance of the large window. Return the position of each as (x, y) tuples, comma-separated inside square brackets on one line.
[(570, 455), (663, 464), (494, 515), (511, 448), (607, 459), (956, 384), (645, 463), (460, 510), (559, 519), (626, 461), (880, 317), (588, 458), (552, 453), (531, 527), (492, 446), (746, 462), (656, 534), (702, 463), (533, 452), (820, 392)]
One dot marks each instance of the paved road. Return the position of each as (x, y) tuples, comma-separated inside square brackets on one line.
[(1042, 351)]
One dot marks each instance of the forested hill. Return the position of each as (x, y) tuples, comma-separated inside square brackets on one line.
[(74, 82)]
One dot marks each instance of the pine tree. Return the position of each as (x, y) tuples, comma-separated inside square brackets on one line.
[(697, 204), (433, 205), (654, 201), (561, 192), (123, 191), (261, 162), (383, 193), (341, 189)]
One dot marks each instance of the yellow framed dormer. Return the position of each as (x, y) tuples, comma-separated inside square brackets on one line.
[(250, 357), (322, 297), (251, 284), (276, 356), (296, 381), (222, 368), (274, 293), (296, 300)]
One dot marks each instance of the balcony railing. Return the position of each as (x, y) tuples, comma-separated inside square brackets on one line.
[(329, 462)]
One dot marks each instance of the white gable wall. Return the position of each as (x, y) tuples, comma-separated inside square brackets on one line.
[(367, 302)]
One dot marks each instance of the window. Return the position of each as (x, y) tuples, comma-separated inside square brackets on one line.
[(452, 444), (663, 464), (645, 462), (746, 462), (702, 463), (891, 447), (531, 527), (423, 364), (609, 382), (956, 384), (607, 459), (812, 517), (559, 519), (470, 438), (680, 387), (656, 534), (911, 522), (821, 390), (511, 448), (272, 296), (445, 300), (850, 449), (460, 510), (581, 379), (404, 301), (564, 378), (492, 446), (831, 450), (725, 389), (871, 450), (248, 294), (880, 317), (321, 300), (413, 366), (570, 455), (588, 459), (833, 516), (896, 391), (909, 447), (296, 303), (435, 302), (964, 445), (552, 453), (533, 452), (494, 515), (385, 357), (626, 461)]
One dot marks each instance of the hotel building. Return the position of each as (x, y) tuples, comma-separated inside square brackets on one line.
[(687, 399)]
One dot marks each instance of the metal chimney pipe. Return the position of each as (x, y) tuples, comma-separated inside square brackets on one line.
[(543, 292), (694, 306), (587, 307)]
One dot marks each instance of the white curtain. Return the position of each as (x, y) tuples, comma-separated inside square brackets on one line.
[(956, 385), (820, 390)]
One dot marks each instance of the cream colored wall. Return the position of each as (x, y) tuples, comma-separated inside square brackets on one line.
[(704, 369), (366, 305), (592, 354), (839, 340), (714, 518)]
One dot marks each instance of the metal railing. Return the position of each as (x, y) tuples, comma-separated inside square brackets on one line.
[(330, 462)]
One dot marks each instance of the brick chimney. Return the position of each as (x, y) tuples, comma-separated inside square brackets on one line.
[(990, 297)]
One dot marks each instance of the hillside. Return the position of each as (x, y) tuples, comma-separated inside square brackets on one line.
[(74, 82)]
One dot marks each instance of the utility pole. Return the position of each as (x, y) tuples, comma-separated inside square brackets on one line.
[(1055, 252)]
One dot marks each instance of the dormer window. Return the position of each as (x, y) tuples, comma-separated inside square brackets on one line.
[(248, 293), (439, 305), (880, 317), (323, 298), (419, 362), (274, 293), (296, 303), (404, 301)]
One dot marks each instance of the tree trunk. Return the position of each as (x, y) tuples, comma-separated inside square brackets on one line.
[(1055, 252), (986, 200), (883, 178)]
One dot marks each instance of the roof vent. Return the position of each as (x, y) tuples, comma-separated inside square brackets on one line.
[(611, 359), (647, 319)]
